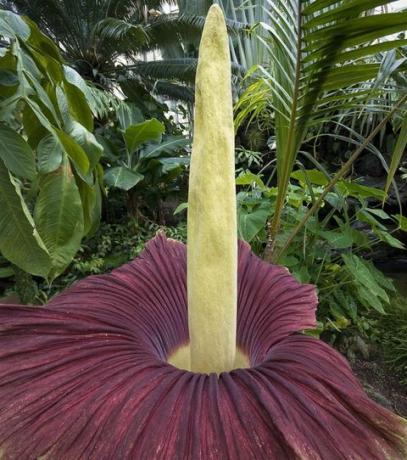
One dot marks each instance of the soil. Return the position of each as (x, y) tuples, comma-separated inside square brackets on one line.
[(381, 384)]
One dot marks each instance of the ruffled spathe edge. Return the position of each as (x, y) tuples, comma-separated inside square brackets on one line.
[(86, 376)]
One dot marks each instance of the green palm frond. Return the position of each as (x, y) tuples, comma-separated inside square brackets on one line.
[(312, 47), (169, 27), (119, 30), (173, 91), (180, 69)]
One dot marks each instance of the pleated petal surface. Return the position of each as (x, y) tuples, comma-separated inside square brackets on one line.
[(86, 376)]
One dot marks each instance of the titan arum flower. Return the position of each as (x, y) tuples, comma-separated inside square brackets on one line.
[(123, 366)]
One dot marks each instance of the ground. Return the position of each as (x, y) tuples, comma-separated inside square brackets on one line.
[(381, 383)]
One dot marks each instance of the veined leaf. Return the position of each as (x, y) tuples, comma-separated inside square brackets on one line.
[(16, 153), (73, 77), (59, 216), (78, 106), (168, 145), (19, 239), (359, 191), (49, 154), (88, 142), (92, 206), (128, 114), (122, 177), (248, 178), (75, 152), (169, 164), (250, 223), (389, 239), (136, 135), (12, 25), (369, 290)]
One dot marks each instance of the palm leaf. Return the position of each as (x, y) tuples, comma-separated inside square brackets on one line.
[(310, 61), (120, 30), (180, 69)]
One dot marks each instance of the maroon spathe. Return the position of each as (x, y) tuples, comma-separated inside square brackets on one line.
[(86, 376)]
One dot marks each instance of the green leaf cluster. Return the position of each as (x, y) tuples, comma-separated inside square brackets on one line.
[(141, 158), (50, 195), (324, 61), (333, 249)]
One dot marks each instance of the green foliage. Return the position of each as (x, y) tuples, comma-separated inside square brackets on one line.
[(49, 158), (317, 67), (333, 249), (391, 333), (111, 246), (143, 161)]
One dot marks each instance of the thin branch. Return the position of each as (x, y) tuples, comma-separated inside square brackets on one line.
[(339, 175)]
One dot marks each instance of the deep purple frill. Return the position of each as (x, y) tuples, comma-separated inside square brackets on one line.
[(86, 376)]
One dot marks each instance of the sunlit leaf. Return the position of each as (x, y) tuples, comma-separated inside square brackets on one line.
[(122, 177)]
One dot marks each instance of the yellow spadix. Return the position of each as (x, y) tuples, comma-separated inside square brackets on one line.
[(212, 231)]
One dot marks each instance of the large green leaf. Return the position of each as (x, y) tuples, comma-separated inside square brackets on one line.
[(169, 145), (122, 177), (73, 77), (369, 290), (250, 223), (75, 153), (88, 142), (92, 205), (49, 154), (19, 239), (78, 106), (313, 176), (16, 153), (128, 114), (12, 25), (359, 191), (136, 135), (59, 216)]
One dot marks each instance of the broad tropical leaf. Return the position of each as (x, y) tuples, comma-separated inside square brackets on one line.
[(136, 135), (19, 240), (16, 153), (122, 177), (49, 154), (170, 144), (59, 216)]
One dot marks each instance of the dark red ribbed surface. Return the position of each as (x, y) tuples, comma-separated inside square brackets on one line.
[(86, 376)]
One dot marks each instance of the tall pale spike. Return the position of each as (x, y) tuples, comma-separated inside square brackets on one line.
[(212, 231)]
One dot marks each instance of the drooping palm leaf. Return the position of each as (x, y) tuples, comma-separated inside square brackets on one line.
[(312, 46)]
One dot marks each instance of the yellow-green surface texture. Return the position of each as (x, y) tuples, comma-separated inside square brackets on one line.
[(212, 235)]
